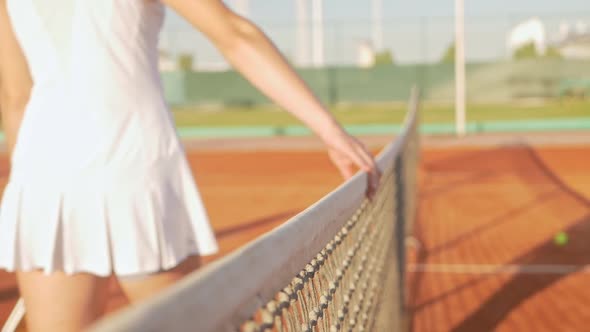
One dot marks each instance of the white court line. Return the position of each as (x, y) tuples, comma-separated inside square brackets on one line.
[(498, 268)]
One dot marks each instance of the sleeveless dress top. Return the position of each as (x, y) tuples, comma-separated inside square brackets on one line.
[(99, 181)]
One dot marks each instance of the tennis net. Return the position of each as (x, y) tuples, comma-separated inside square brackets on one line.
[(338, 266)]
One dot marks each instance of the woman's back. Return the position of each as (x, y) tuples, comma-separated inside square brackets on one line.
[(96, 92), (88, 41)]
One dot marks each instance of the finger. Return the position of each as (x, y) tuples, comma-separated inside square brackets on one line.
[(366, 155), (372, 185), (356, 156), (373, 179), (347, 171), (373, 171), (369, 165), (366, 161), (344, 167), (341, 163)]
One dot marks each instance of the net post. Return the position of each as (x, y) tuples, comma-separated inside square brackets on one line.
[(460, 93), (405, 168), (412, 149), (400, 230)]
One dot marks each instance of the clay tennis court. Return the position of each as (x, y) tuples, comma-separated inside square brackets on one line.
[(487, 218)]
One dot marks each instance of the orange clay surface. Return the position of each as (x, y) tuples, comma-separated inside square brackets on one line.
[(488, 205), (501, 208)]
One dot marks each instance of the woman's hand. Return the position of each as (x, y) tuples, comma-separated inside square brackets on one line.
[(349, 154)]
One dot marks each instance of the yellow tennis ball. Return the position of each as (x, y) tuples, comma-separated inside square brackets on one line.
[(561, 239)]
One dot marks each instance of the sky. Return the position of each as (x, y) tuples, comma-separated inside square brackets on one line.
[(415, 31), (354, 9)]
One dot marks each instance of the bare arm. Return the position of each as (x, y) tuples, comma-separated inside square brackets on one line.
[(247, 48), (15, 79)]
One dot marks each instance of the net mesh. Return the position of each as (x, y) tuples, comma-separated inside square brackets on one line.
[(338, 266), (338, 289)]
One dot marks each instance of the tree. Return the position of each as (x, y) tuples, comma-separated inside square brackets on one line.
[(529, 51), (526, 51), (553, 52), (449, 56), (384, 58), (185, 62)]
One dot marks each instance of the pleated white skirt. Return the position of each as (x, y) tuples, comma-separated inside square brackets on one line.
[(124, 227)]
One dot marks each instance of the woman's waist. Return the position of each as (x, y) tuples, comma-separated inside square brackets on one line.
[(53, 118), (94, 143), (114, 93), (97, 172)]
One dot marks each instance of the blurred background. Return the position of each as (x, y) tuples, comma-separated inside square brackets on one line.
[(524, 59), (501, 231)]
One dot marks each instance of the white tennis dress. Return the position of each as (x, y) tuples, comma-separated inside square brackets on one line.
[(100, 182)]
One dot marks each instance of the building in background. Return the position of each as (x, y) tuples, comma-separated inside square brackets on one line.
[(574, 41), (366, 55), (575, 47), (166, 63), (531, 31)]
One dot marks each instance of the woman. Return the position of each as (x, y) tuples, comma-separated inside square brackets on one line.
[(99, 183)]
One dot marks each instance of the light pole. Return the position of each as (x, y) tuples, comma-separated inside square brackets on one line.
[(377, 18), (318, 32), (243, 7), (302, 32), (460, 68)]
